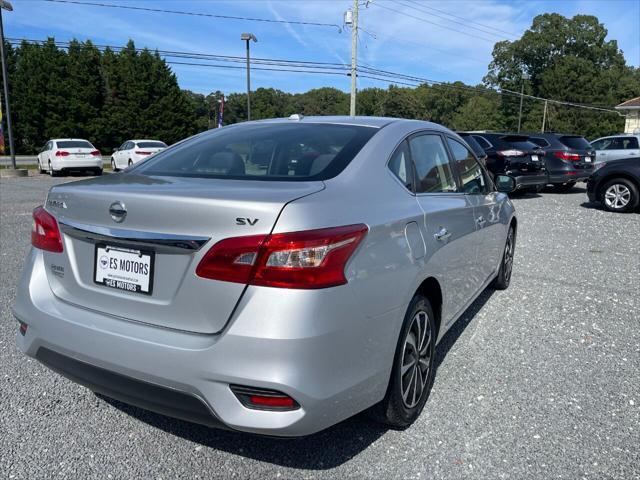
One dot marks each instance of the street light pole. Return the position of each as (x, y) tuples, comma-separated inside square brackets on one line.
[(248, 37), (354, 58), (4, 5), (524, 77)]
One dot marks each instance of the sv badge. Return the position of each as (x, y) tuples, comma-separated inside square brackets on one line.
[(246, 221)]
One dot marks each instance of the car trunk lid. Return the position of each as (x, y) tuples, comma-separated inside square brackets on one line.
[(169, 224)]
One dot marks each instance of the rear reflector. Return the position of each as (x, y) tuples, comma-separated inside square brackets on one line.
[(573, 157), (45, 234), (62, 153), (139, 152), (23, 328), (572, 172), (96, 153), (264, 399), (306, 260)]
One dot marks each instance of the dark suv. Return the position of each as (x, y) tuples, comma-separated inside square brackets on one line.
[(568, 158), (514, 155)]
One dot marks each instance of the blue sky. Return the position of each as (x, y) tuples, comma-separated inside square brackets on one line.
[(442, 49)]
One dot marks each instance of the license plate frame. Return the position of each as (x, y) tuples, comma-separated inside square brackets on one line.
[(587, 159), (102, 250), (534, 158)]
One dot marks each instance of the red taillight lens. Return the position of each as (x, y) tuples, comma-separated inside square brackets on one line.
[(308, 259), (571, 172), (96, 153), (140, 152), (573, 157), (62, 153), (511, 153), (45, 234)]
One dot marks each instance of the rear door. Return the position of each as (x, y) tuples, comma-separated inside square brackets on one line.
[(479, 190), (449, 223)]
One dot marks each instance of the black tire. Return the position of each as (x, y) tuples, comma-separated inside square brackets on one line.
[(40, 169), (52, 172), (97, 172), (395, 410), (503, 279), (130, 163), (625, 191), (113, 165), (564, 187)]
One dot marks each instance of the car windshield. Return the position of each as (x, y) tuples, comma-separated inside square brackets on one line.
[(577, 143), (73, 144), (152, 144), (294, 152)]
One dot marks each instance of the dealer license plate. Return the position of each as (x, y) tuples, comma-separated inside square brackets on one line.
[(124, 269)]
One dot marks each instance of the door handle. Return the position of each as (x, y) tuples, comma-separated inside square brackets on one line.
[(442, 235), (481, 221)]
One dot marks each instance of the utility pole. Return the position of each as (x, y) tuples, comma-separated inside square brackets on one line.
[(247, 37), (354, 57), (524, 77), (544, 116), (4, 5)]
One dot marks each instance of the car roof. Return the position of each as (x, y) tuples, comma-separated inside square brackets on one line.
[(377, 122), (144, 140), (69, 139)]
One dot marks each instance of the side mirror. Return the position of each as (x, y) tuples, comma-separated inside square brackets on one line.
[(505, 183), (115, 149)]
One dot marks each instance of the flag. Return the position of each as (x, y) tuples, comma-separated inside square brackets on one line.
[(221, 112)]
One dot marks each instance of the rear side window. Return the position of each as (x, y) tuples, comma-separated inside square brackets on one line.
[(151, 145), (484, 143), (473, 180), (433, 169), (577, 143), (74, 144), (400, 165), (630, 143), (294, 152)]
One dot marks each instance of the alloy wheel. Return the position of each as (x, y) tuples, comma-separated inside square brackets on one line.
[(416, 360), (508, 256), (617, 196)]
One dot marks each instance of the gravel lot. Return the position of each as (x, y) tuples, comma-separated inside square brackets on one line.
[(539, 381)]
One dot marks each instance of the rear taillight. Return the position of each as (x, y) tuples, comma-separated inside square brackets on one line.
[(573, 157), (62, 153), (308, 259), (140, 152), (511, 153), (45, 234), (96, 153), (571, 172)]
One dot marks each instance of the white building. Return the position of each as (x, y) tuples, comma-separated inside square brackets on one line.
[(631, 110)]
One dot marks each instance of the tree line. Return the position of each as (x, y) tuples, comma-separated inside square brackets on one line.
[(108, 96)]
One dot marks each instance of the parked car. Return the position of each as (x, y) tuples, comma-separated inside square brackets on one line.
[(134, 151), (616, 185), (475, 146), (616, 147), (514, 155), (61, 155), (276, 301), (568, 158)]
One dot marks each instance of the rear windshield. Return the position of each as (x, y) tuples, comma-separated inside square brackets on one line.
[(577, 143), (519, 142), (74, 144), (293, 152), (475, 146), (152, 145)]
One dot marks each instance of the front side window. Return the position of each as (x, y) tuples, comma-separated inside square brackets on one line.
[(282, 151), (473, 180), (433, 170), (400, 165)]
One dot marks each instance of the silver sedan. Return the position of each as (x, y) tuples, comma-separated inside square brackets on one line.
[(273, 277)]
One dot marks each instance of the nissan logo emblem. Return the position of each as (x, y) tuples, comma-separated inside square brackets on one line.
[(118, 212)]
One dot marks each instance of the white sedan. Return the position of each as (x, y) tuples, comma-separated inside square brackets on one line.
[(134, 151), (61, 155)]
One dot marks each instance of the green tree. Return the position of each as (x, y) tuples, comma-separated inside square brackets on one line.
[(481, 112)]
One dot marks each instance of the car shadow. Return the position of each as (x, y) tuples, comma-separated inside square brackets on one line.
[(524, 195), (327, 449)]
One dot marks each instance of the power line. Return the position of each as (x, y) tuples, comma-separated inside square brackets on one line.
[(199, 14), (415, 17), (466, 20)]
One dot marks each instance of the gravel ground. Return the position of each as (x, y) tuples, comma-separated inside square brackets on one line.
[(539, 381)]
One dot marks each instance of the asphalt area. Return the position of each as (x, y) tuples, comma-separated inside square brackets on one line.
[(539, 381)]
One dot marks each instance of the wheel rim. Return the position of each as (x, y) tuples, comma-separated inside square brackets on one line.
[(617, 196), (508, 256), (416, 360)]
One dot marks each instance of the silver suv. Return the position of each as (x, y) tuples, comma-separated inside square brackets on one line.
[(275, 296), (616, 147)]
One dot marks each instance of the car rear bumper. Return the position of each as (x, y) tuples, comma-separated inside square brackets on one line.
[(529, 180), (287, 342), (564, 177), (78, 164)]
